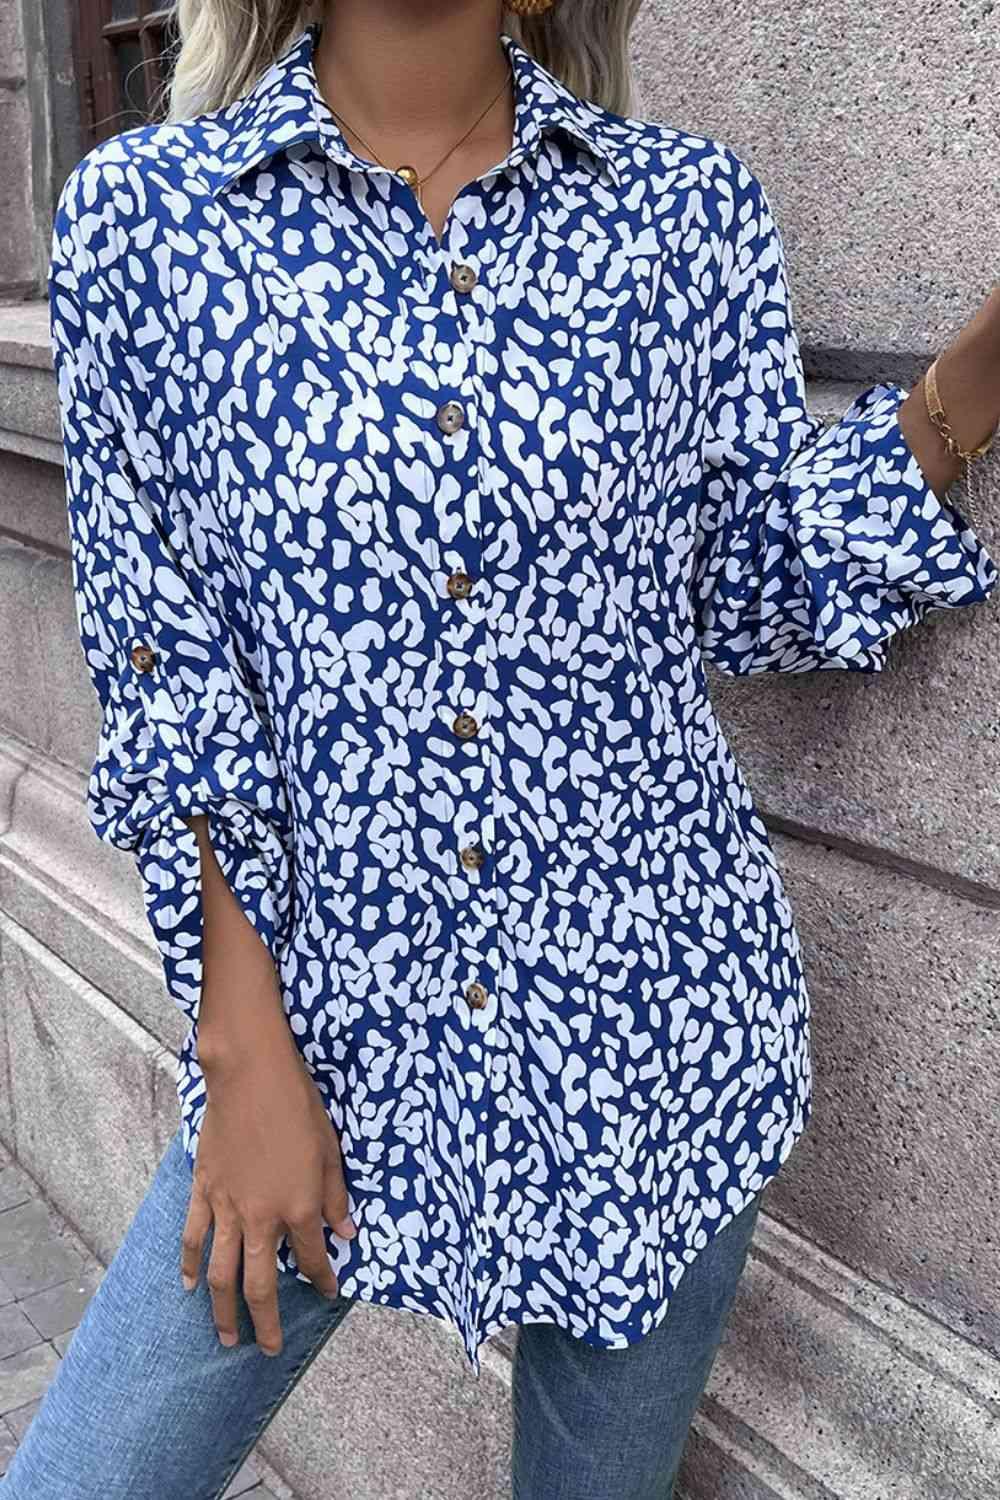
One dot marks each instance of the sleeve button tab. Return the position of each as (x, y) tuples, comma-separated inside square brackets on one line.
[(459, 585), (143, 658)]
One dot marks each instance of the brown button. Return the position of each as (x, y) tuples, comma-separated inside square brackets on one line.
[(450, 417), (476, 995), (143, 658), (463, 278), (459, 585), (465, 726), (472, 856)]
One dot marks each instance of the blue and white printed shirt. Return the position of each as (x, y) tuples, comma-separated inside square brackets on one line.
[(403, 561)]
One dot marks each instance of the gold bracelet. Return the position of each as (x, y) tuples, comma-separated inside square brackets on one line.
[(936, 413)]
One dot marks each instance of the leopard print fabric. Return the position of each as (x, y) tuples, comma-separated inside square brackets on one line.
[(403, 561)]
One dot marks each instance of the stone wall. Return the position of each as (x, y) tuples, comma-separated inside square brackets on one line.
[(862, 1359)]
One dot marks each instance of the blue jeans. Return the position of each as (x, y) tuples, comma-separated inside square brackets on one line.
[(147, 1404)]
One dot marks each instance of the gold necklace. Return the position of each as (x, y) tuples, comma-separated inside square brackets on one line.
[(410, 174)]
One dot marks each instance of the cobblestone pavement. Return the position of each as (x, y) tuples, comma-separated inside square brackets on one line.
[(46, 1279)]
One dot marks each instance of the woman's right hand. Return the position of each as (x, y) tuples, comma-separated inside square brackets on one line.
[(268, 1161)]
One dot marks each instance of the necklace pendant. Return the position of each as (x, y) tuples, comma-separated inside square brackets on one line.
[(410, 176)]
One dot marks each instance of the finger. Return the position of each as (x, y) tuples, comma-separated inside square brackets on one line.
[(309, 1245), (223, 1275), (196, 1226), (336, 1206), (260, 1283)]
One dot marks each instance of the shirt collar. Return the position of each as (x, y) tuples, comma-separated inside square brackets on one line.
[(285, 106)]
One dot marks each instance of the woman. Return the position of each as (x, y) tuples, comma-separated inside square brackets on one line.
[(428, 429)]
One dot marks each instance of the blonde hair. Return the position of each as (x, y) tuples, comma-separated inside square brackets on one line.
[(225, 46)]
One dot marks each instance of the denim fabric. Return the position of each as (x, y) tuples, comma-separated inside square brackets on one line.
[(610, 1424), (148, 1405)]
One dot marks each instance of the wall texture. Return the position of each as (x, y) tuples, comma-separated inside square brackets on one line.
[(862, 1360)]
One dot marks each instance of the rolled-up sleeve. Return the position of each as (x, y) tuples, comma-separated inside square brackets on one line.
[(181, 731), (815, 543)]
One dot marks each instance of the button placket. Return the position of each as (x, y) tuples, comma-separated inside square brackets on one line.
[(463, 598), (459, 586), (492, 1031)]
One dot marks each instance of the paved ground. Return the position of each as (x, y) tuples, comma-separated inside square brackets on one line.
[(46, 1279)]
